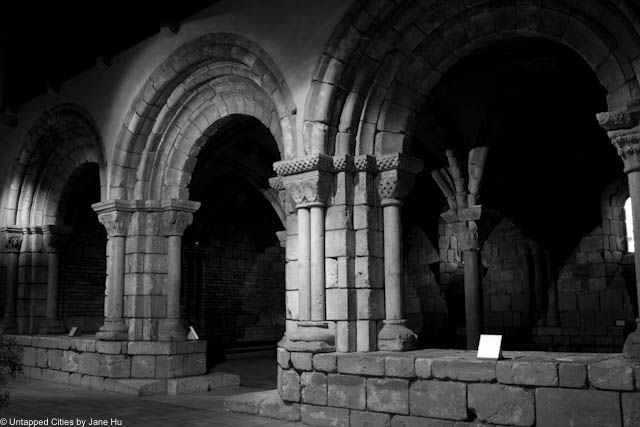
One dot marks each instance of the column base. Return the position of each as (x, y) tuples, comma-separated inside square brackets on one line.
[(8, 325), (171, 330), (631, 349), (51, 325), (113, 330), (395, 336), (312, 337)]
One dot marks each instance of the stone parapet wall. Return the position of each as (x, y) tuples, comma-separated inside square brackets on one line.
[(453, 388), (88, 362)]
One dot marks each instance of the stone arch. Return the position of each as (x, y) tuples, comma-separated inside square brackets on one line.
[(207, 79), (383, 60), (63, 139)]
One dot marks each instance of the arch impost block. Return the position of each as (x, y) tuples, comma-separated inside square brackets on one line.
[(365, 163), (276, 183), (314, 162), (400, 162), (394, 184), (308, 188), (177, 215), (343, 163), (10, 238)]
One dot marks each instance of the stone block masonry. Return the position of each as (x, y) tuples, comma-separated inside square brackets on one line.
[(452, 388), (133, 367)]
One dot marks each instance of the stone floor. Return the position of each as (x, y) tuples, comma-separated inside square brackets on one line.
[(39, 400)]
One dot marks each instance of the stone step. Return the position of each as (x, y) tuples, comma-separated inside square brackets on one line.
[(263, 403)]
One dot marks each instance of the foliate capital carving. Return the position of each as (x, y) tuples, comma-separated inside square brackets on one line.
[(628, 146), (114, 215), (10, 239), (624, 132), (174, 222), (55, 237), (309, 188), (394, 185)]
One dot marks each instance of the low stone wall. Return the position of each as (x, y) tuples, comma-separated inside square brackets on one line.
[(453, 388), (137, 367)]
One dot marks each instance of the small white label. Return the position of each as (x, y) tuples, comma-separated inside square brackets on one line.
[(193, 335), (490, 347), (620, 322), (73, 331)]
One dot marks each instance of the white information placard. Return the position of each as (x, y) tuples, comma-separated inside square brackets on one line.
[(193, 335), (73, 331), (490, 347)]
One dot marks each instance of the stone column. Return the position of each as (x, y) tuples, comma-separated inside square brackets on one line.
[(307, 181), (177, 216), (54, 239), (396, 178), (553, 312), (624, 132), (464, 223), (539, 267), (114, 215), (11, 238)]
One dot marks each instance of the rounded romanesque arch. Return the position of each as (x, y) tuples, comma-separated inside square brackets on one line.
[(206, 81), (63, 139), (383, 60)]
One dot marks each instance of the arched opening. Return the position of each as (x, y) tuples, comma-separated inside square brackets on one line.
[(83, 252), (233, 260), (551, 270)]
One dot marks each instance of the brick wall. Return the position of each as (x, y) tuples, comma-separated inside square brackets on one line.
[(82, 281), (233, 290)]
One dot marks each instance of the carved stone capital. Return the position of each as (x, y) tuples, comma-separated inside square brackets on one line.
[(465, 225), (394, 186), (114, 215), (10, 239), (308, 188), (177, 215), (55, 237), (628, 145)]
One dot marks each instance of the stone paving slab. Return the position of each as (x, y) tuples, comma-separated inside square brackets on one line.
[(35, 399)]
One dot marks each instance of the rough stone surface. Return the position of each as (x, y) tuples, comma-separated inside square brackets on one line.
[(346, 391), (314, 388), (289, 385), (613, 374), (630, 409), (572, 375), (324, 416), (402, 367), (302, 361), (535, 373), (369, 419), (565, 407), (325, 362), (499, 404), (464, 370), (388, 395), (361, 364), (273, 406), (404, 421), (438, 399), (423, 368)]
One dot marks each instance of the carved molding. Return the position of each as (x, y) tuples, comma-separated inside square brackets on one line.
[(624, 133), (394, 185), (399, 161), (10, 239), (322, 162), (365, 163), (115, 222), (628, 146)]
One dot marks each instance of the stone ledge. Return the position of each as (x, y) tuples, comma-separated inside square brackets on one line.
[(263, 403)]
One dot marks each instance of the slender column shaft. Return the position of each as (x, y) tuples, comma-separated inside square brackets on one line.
[(53, 281), (634, 192), (553, 315), (174, 276), (529, 314), (114, 307), (473, 297), (317, 267), (304, 264), (392, 262)]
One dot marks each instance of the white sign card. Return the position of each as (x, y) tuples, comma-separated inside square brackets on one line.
[(193, 335), (490, 347), (73, 331)]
